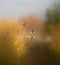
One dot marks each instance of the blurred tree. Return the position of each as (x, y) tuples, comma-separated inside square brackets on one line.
[(8, 35), (32, 22), (33, 26), (37, 50), (53, 16), (53, 28)]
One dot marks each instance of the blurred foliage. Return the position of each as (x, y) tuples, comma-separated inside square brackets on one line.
[(14, 46), (8, 34), (32, 23), (22, 44), (53, 29), (53, 16)]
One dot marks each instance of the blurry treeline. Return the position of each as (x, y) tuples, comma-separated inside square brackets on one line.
[(52, 26), (30, 40)]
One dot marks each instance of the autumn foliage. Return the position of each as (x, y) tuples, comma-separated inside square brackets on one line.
[(13, 41), (24, 42)]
